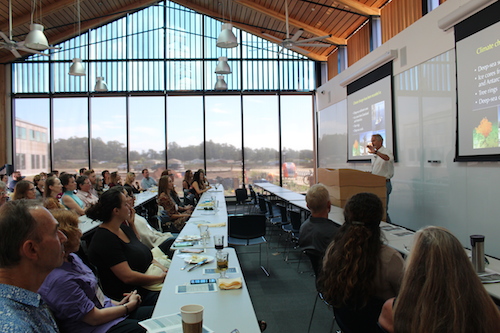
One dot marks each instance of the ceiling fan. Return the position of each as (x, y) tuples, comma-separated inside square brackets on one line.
[(14, 47), (293, 43)]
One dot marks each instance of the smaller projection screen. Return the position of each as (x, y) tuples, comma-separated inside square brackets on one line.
[(369, 111), (478, 86)]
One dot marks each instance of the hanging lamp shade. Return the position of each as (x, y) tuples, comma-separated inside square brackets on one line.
[(100, 84), (36, 38), (227, 39), (77, 68), (222, 66), (220, 84)]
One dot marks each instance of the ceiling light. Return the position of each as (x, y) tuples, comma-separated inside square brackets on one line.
[(222, 66), (77, 68), (227, 39), (100, 84), (220, 84), (36, 39)]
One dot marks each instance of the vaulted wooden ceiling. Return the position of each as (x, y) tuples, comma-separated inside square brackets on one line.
[(264, 18)]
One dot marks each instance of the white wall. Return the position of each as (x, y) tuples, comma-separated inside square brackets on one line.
[(459, 196)]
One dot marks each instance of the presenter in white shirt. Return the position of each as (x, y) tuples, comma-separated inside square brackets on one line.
[(382, 164)]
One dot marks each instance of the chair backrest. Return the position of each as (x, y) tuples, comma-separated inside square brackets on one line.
[(295, 220), (283, 213), (247, 226), (360, 320), (270, 210), (316, 259), (241, 195), (262, 204), (253, 195)]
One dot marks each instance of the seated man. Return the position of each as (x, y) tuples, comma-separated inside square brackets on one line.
[(31, 247), (147, 181), (317, 231), (16, 177)]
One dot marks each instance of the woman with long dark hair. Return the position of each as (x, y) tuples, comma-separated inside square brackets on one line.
[(360, 272), (118, 254), (198, 186), (69, 198), (24, 190), (177, 220)]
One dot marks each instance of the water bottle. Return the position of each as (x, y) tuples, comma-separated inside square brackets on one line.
[(477, 242)]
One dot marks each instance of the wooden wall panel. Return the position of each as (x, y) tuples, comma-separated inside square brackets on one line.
[(358, 45), (3, 112), (332, 63), (398, 15)]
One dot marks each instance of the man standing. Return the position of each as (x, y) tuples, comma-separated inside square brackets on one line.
[(147, 181), (382, 164), (317, 232), (31, 246)]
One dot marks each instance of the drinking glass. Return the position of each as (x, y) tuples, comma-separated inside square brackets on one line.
[(204, 234), (219, 242), (222, 262)]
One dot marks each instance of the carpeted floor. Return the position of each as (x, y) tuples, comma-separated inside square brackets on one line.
[(286, 298)]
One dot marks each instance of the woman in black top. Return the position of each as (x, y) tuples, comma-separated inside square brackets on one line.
[(121, 259)]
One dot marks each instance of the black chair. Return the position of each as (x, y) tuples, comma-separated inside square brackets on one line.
[(262, 204), (248, 230), (351, 320), (316, 259), (241, 199), (293, 231)]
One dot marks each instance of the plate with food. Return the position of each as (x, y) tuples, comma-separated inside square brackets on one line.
[(197, 258), (188, 238)]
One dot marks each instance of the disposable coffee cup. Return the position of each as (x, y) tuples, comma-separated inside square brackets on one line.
[(192, 318)]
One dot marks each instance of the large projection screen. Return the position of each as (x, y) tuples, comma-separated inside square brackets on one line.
[(478, 86), (369, 111)]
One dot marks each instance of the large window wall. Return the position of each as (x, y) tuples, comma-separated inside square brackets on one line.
[(161, 111)]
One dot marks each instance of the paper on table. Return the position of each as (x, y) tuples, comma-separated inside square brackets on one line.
[(168, 324)]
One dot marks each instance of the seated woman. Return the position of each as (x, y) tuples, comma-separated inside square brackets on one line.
[(99, 186), (198, 186), (72, 293), (53, 188), (441, 292), (24, 190), (177, 219), (84, 191), (130, 182), (359, 272), (114, 179), (119, 256), (146, 234), (39, 182), (69, 199), (105, 178), (188, 180)]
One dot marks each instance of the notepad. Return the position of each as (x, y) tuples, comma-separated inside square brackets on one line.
[(196, 288)]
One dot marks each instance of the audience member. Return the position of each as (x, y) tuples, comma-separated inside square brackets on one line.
[(31, 246), (74, 296), (115, 179), (188, 180), (126, 259), (69, 198), (4, 178), (177, 219), (130, 182), (441, 292), (147, 181), (198, 186), (3, 193), (317, 232), (359, 272), (99, 186), (55, 173), (39, 181), (84, 192), (53, 188), (106, 177), (24, 190), (16, 177), (93, 180), (81, 172), (146, 234)]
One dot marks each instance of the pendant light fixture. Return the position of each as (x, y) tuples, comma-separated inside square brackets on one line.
[(222, 66), (220, 84), (36, 38), (227, 39), (77, 68), (100, 84)]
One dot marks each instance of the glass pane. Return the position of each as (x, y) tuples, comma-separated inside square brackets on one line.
[(32, 119), (185, 135), (147, 135), (297, 142), (109, 136), (71, 148), (223, 141), (261, 139)]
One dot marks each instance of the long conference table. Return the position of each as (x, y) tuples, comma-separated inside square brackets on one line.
[(397, 237), (225, 310)]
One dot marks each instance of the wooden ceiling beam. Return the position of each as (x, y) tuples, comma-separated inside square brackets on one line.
[(46, 10), (295, 23), (359, 7)]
